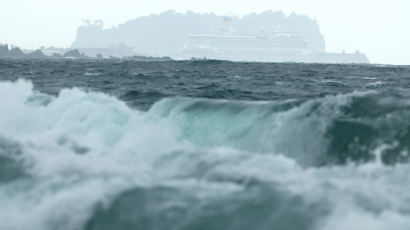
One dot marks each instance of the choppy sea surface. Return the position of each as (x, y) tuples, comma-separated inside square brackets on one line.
[(116, 144)]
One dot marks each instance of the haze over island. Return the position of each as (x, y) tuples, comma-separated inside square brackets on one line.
[(266, 37), (165, 34), (377, 28)]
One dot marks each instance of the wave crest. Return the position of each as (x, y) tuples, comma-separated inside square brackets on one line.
[(88, 152)]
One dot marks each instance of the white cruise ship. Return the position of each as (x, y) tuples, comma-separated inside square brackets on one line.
[(274, 47)]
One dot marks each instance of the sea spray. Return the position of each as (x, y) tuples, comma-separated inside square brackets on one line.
[(86, 160)]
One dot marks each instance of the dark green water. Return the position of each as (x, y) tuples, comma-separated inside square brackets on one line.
[(203, 145)]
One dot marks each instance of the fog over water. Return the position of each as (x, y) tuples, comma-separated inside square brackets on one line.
[(376, 28)]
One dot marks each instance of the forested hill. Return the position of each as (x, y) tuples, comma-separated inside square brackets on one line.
[(165, 34)]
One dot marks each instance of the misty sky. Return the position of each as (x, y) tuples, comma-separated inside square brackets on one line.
[(379, 28)]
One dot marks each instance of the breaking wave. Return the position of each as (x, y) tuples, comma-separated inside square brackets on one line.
[(85, 160)]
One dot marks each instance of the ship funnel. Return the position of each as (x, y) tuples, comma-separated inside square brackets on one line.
[(227, 22)]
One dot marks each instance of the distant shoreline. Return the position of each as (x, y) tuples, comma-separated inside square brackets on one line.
[(17, 53)]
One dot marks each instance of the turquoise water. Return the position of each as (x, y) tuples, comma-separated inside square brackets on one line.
[(203, 145)]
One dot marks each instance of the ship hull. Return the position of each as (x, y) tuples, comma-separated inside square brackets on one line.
[(277, 56)]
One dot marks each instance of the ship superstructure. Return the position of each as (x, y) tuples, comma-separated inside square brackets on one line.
[(239, 46), (227, 44)]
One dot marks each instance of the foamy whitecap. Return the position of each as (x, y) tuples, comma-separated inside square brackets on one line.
[(84, 154)]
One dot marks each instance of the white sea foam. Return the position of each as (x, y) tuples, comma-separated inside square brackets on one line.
[(81, 148), (92, 74), (376, 83)]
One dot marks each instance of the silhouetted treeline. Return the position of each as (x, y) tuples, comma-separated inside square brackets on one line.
[(16, 52)]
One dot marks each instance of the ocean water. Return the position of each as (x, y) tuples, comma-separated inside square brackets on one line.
[(116, 144)]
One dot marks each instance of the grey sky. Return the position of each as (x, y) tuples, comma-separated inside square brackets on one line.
[(379, 28)]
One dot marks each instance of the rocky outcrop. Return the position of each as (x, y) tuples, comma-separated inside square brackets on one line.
[(56, 55), (36, 54), (16, 53), (4, 50), (73, 54)]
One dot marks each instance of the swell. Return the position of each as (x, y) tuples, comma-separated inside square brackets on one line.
[(259, 207), (327, 130), (201, 163), (322, 131), (11, 166)]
